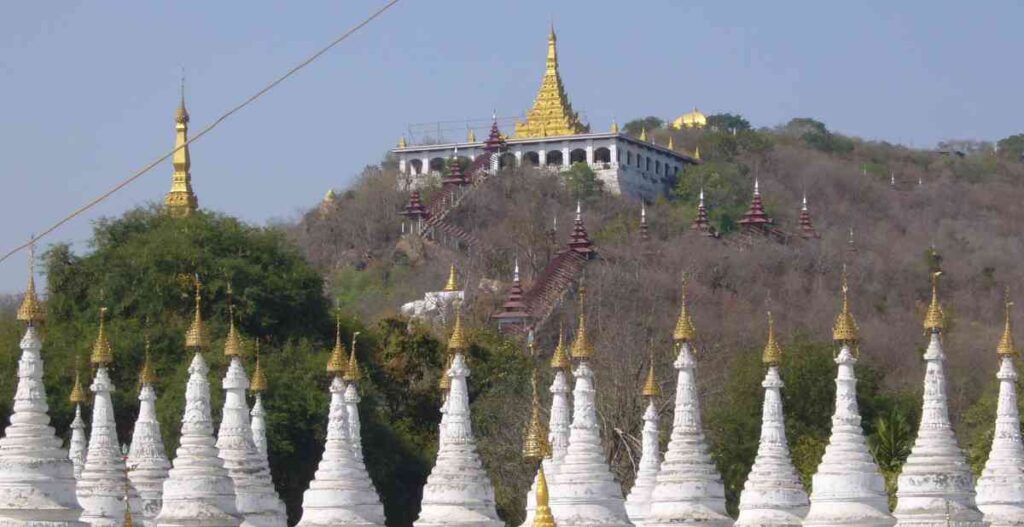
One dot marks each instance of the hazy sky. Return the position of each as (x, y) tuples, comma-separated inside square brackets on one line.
[(88, 89)]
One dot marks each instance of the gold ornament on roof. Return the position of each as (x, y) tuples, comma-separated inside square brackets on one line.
[(542, 517), (336, 364), (77, 395), (101, 352), (352, 372), (457, 342), (445, 382), (684, 331), (535, 446), (671, 143), (560, 358), (651, 387), (551, 115), (845, 330), (453, 284), (195, 337), (31, 309), (643, 134), (259, 379), (181, 201), (772, 355), (696, 152), (582, 348), (402, 143), (1006, 347), (934, 320), (147, 375), (471, 136), (233, 342), (615, 127)]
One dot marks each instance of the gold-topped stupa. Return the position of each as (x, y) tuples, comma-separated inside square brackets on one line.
[(1006, 347), (684, 331), (651, 387), (181, 200), (560, 358), (233, 342), (352, 371), (845, 330), (77, 395), (536, 446), (336, 364), (935, 319), (453, 284), (552, 114), (195, 337), (31, 309), (582, 347), (101, 352), (694, 119), (147, 375), (259, 379), (772, 355)]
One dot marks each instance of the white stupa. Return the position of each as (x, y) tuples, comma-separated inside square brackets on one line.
[(258, 423), (772, 495), (458, 491), (352, 377), (936, 485), (638, 502), (147, 458), (341, 493), (79, 443), (102, 484), (37, 482), (256, 499), (1001, 485), (198, 491), (559, 423), (848, 488), (587, 493), (688, 490)]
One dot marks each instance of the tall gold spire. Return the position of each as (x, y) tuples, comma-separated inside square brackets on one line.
[(845, 330), (352, 372), (233, 342), (684, 332), (582, 348), (560, 358), (195, 337), (457, 342), (934, 320), (77, 393), (651, 387), (453, 284), (259, 379), (101, 353), (551, 115), (336, 364), (31, 309), (1006, 346), (772, 355), (181, 200), (542, 517), (147, 375), (535, 445)]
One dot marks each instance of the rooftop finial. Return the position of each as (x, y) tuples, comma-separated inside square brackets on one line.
[(582, 348), (542, 517), (772, 355), (352, 372), (515, 272), (579, 211), (535, 444), (757, 187), (803, 205), (233, 342), (457, 342), (259, 379), (195, 337), (643, 134), (77, 395), (934, 320), (1006, 346), (336, 364), (147, 375), (31, 309), (845, 330), (702, 196), (684, 331), (101, 352), (452, 284), (651, 387), (560, 358)]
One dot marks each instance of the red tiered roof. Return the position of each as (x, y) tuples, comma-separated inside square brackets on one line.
[(579, 241), (807, 230), (455, 176), (701, 222), (495, 141), (414, 209), (514, 311), (756, 220)]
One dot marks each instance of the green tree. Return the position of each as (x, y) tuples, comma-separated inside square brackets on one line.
[(582, 181), (726, 187), (1012, 147), (650, 123), (728, 122), (890, 445)]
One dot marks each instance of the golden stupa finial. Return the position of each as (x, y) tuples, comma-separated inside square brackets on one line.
[(259, 379), (195, 337), (31, 309), (684, 331), (471, 136), (560, 358), (582, 348), (643, 134), (772, 355), (181, 114), (352, 372), (1006, 347), (147, 375), (77, 395), (934, 320), (101, 352), (543, 517), (615, 127), (535, 444), (651, 387), (233, 342), (336, 364), (696, 152), (457, 342), (671, 143), (181, 200), (453, 284), (845, 330)]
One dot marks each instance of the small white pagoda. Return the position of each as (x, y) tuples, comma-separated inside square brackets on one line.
[(147, 459), (638, 502), (78, 443)]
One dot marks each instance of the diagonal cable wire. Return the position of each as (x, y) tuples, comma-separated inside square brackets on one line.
[(98, 199)]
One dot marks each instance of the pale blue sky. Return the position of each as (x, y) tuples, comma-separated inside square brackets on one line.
[(88, 89)]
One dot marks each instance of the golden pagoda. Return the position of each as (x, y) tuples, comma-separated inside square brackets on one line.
[(651, 387), (233, 342), (694, 119), (536, 446), (935, 318), (845, 330), (772, 355), (1006, 347), (582, 347), (453, 284), (31, 309), (560, 358), (684, 330), (336, 364), (552, 114), (147, 375), (181, 201), (543, 516), (196, 337), (77, 395), (101, 352), (259, 379), (352, 371)]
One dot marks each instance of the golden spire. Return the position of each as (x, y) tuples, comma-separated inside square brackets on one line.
[(845, 330), (336, 364), (772, 355), (471, 136), (1006, 347), (352, 373), (535, 446), (181, 200), (560, 358), (542, 517), (77, 393), (684, 332), (195, 337), (671, 143), (615, 127), (233, 342), (31, 309), (696, 152), (402, 143), (582, 348), (101, 353), (551, 115), (452, 284), (934, 319), (259, 379), (651, 387), (457, 342), (643, 134), (147, 375)]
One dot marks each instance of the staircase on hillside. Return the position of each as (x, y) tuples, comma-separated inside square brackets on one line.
[(550, 287)]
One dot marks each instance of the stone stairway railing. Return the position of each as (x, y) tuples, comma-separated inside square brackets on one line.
[(547, 291), (450, 196)]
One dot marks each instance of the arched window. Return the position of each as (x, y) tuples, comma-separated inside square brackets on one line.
[(437, 164), (602, 155), (416, 167), (507, 160), (531, 159), (577, 155), (554, 158)]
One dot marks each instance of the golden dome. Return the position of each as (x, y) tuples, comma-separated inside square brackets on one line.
[(845, 330), (336, 364), (772, 355), (934, 320), (684, 332), (1006, 347), (352, 372), (694, 119), (535, 446), (77, 393), (560, 358), (259, 379), (101, 352)]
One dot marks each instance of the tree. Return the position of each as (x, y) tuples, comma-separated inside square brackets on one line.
[(727, 122), (890, 445), (582, 182), (1012, 147), (649, 123)]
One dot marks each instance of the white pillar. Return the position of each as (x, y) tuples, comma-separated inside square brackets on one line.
[(565, 156), (542, 157), (590, 154)]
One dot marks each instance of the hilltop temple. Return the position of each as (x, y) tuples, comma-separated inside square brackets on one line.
[(553, 136)]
